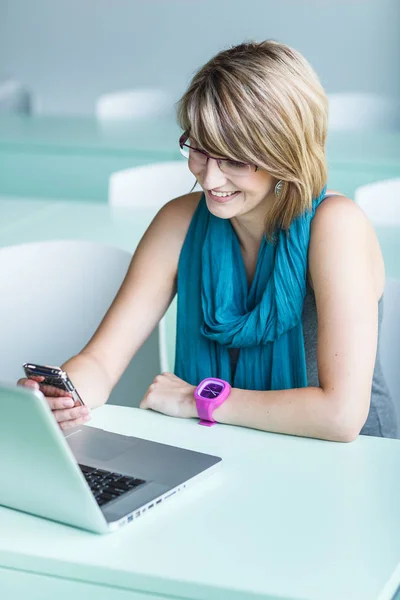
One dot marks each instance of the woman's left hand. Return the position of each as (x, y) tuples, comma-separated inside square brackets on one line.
[(172, 396)]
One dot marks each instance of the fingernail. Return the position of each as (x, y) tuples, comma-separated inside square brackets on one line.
[(68, 403)]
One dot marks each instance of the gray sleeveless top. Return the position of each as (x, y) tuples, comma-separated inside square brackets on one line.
[(381, 420)]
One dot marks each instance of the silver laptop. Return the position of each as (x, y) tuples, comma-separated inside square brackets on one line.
[(89, 478)]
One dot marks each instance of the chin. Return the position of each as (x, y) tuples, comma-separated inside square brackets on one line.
[(224, 210)]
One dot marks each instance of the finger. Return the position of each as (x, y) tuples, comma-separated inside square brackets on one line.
[(74, 422), (29, 383), (69, 414), (51, 390), (60, 403), (143, 403)]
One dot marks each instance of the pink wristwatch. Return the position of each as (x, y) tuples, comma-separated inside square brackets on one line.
[(209, 394)]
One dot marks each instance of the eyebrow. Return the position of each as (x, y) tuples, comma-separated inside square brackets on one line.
[(216, 155), (213, 154)]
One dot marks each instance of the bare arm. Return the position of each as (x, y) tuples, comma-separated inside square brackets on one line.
[(143, 298), (341, 264)]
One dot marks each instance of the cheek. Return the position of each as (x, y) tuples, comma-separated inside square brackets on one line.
[(193, 171), (260, 192), (196, 170), (258, 186)]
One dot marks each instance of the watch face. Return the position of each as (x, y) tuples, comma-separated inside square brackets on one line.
[(211, 389)]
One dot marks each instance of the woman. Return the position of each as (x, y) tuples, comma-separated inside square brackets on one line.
[(279, 281)]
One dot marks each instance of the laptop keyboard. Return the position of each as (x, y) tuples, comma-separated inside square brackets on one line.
[(107, 485)]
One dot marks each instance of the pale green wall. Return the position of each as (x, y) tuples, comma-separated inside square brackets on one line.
[(70, 51)]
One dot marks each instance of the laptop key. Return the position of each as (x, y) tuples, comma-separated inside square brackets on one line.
[(108, 496), (136, 482), (86, 469), (126, 479), (120, 485), (107, 480), (112, 491)]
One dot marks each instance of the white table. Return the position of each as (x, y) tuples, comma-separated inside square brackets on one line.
[(286, 517), (25, 220)]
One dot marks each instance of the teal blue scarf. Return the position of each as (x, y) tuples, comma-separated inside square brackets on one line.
[(217, 310)]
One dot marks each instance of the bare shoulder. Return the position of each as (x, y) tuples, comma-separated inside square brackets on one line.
[(337, 212), (339, 219), (340, 227), (171, 223), (178, 213)]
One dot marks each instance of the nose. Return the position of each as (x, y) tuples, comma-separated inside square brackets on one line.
[(212, 176)]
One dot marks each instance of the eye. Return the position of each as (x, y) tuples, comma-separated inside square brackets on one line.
[(235, 164)]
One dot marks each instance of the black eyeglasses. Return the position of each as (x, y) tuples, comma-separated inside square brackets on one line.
[(198, 159)]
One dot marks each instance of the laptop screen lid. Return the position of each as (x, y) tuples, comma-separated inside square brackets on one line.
[(39, 471)]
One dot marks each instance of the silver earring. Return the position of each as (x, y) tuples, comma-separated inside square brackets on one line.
[(278, 187)]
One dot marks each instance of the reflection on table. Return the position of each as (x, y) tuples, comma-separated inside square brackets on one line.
[(73, 157)]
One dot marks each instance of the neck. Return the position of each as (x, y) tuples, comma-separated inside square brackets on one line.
[(250, 227)]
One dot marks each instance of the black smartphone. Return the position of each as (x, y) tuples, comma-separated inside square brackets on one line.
[(53, 376)]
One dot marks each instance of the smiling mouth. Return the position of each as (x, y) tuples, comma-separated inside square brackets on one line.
[(222, 197), (222, 194)]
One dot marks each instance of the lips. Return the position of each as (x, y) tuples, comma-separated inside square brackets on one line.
[(222, 199)]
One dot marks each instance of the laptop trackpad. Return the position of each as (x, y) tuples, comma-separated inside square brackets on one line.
[(96, 444)]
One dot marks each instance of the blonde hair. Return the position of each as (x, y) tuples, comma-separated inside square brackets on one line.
[(262, 103)]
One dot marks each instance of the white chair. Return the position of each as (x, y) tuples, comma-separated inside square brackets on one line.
[(380, 201), (154, 185), (53, 297), (167, 338), (150, 185), (361, 111), (390, 341), (134, 104), (14, 97)]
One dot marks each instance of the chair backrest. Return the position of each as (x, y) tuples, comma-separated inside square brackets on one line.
[(134, 104), (390, 341), (358, 111), (53, 297), (380, 201), (151, 185), (14, 97), (167, 336)]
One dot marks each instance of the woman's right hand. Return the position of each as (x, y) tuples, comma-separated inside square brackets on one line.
[(66, 411)]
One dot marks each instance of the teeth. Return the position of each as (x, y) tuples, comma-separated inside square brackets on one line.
[(222, 194)]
